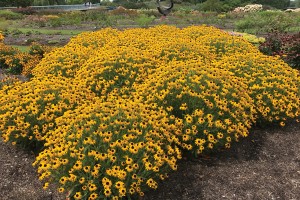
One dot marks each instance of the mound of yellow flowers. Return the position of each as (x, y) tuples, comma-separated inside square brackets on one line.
[(113, 110)]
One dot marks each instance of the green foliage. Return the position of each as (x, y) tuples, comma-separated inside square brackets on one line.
[(17, 3), (280, 4), (75, 2), (4, 24), (100, 17), (297, 3), (144, 20), (220, 5), (231, 4), (9, 15), (53, 2), (56, 2), (5, 3), (212, 6), (265, 21)]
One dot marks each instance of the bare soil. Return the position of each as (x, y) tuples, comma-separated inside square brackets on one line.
[(265, 165)]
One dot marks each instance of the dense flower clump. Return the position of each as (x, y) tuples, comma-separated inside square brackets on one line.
[(115, 110), (13, 61)]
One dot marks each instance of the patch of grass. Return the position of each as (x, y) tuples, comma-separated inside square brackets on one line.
[(294, 29), (4, 24), (7, 14), (22, 48)]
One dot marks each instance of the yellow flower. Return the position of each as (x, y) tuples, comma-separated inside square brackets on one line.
[(92, 187), (199, 142), (119, 184), (77, 195), (61, 189), (46, 185), (82, 180), (220, 135), (106, 183), (63, 180), (122, 192), (93, 196), (188, 119)]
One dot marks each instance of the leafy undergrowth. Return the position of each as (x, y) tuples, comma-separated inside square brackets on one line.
[(113, 111)]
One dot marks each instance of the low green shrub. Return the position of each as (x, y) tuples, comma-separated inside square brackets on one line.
[(10, 15), (265, 21), (144, 20), (218, 6), (212, 6), (149, 12)]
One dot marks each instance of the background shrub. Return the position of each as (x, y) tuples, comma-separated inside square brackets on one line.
[(287, 46), (10, 15), (266, 21), (212, 6), (144, 20), (17, 3)]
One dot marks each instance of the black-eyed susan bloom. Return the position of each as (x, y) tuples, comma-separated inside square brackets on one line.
[(77, 195)]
